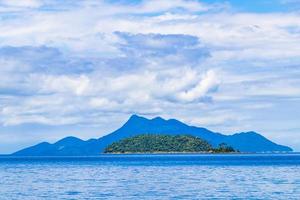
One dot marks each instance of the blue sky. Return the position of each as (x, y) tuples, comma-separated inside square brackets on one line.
[(259, 6), (82, 68)]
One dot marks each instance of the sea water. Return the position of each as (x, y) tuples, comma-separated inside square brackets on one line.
[(258, 176)]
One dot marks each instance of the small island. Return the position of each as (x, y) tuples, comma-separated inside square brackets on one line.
[(158, 143)]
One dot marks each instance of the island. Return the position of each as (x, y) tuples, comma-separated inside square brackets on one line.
[(160, 143)]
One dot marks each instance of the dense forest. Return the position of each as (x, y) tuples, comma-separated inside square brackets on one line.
[(152, 143)]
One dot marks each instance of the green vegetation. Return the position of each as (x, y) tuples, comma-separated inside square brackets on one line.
[(151, 143), (224, 148)]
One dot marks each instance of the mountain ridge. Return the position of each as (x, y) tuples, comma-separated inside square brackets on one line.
[(135, 125)]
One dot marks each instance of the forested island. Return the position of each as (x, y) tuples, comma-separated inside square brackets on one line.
[(158, 143)]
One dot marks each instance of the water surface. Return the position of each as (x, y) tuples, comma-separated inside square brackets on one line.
[(265, 176)]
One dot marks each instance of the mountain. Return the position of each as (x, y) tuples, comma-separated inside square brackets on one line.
[(136, 125)]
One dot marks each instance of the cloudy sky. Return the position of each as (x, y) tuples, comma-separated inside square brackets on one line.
[(82, 68)]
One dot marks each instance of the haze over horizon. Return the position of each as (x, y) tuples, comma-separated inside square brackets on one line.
[(82, 68)]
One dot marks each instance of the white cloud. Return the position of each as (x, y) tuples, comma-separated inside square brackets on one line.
[(22, 3), (208, 82), (158, 6), (63, 84), (69, 97)]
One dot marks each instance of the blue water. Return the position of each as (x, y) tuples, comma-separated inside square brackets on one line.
[(151, 177)]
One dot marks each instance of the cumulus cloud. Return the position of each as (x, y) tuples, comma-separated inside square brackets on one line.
[(135, 92), (208, 83)]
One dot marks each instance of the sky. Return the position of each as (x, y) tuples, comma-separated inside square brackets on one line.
[(82, 68)]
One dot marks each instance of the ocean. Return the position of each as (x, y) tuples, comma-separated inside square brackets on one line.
[(178, 176)]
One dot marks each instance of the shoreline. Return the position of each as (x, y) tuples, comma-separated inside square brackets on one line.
[(153, 154)]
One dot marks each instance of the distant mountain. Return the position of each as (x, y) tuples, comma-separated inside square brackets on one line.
[(136, 125)]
